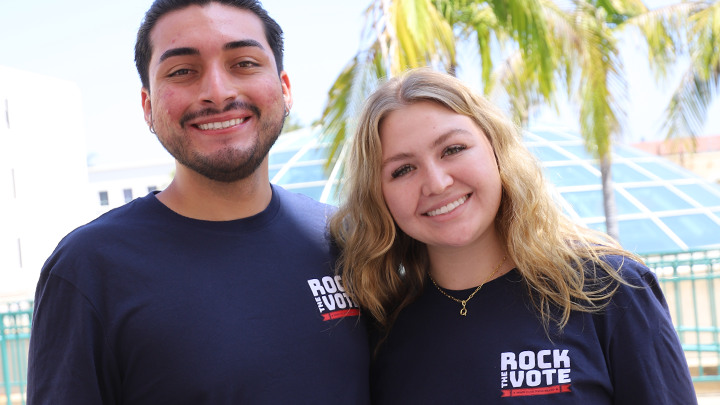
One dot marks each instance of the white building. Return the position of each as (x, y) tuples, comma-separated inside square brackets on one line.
[(114, 185), (43, 174)]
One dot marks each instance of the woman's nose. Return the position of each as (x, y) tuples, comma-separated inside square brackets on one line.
[(437, 180)]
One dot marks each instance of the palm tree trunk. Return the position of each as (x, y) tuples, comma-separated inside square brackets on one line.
[(611, 222)]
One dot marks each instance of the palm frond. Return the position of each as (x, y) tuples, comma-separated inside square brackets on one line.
[(514, 87), (524, 21), (663, 30), (417, 35), (355, 83), (687, 111), (601, 80)]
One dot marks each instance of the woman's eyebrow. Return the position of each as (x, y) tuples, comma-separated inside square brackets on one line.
[(395, 158), (444, 137), (440, 140)]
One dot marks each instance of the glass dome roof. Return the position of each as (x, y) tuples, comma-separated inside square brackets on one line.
[(661, 206)]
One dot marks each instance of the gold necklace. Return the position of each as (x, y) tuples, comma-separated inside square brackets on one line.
[(463, 311)]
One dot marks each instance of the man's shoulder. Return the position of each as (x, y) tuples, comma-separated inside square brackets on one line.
[(112, 223), (87, 242), (300, 205)]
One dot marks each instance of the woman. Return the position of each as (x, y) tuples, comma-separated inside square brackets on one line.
[(480, 288)]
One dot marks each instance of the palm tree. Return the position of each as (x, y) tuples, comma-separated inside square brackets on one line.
[(406, 34), (577, 46), (687, 111), (601, 82)]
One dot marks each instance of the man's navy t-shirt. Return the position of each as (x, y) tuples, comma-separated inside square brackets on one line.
[(144, 306)]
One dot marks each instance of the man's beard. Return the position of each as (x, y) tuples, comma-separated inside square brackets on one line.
[(228, 164)]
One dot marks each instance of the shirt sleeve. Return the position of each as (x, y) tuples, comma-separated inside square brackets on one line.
[(647, 363), (70, 361)]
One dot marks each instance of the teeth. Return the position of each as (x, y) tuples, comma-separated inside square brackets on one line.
[(447, 208), (221, 125)]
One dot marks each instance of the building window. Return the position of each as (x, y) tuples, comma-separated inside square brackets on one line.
[(151, 189), (103, 198), (128, 194)]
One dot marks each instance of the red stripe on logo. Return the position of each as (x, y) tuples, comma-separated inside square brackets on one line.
[(526, 392), (340, 314)]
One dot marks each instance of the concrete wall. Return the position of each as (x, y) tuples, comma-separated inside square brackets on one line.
[(43, 174)]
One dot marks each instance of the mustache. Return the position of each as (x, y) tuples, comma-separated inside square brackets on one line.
[(235, 105)]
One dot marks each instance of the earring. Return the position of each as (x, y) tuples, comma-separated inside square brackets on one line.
[(287, 111), (152, 129)]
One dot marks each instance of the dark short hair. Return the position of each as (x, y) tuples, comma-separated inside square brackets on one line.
[(143, 47)]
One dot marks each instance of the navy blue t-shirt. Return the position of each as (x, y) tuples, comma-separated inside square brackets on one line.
[(144, 306), (500, 353)]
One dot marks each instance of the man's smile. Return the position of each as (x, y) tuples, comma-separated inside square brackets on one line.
[(221, 125)]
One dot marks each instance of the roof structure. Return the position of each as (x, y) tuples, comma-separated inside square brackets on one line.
[(661, 206)]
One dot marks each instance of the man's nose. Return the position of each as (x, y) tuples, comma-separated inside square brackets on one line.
[(437, 180), (217, 86)]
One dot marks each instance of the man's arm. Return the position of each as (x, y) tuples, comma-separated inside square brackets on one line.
[(70, 361)]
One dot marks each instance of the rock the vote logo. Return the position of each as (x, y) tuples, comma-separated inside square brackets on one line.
[(532, 373), (331, 298)]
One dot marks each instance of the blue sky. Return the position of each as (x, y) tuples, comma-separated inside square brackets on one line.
[(91, 42)]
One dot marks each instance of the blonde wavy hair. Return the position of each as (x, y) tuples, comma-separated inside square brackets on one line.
[(557, 259)]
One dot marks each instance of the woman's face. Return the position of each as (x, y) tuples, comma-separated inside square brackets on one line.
[(439, 176)]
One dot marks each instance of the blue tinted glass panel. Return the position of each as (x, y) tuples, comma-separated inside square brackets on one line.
[(547, 154), (312, 192), (564, 176), (590, 203), (272, 173), (579, 151), (551, 136), (714, 186), (281, 157), (314, 154), (695, 230), (598, 226), (572, 135), (334, 196), (662, 171), (659, 198), (700, 194), (628, 152), (644, 236), (303, 174), (623, 173), (300, 140)]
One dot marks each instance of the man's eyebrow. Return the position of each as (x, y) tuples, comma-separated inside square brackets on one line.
[(243, 43), (178, 52)]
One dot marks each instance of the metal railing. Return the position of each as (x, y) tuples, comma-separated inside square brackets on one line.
[(15, 322), (689, 281)]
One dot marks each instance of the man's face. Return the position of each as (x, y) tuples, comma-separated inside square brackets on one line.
[(215, 100)]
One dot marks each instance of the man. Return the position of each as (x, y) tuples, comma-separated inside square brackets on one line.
[(219, 289)]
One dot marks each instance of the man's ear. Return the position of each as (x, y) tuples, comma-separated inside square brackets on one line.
[(286, 89), (147, 107)]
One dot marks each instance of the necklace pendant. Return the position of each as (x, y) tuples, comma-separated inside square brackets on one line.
[(463, 312)]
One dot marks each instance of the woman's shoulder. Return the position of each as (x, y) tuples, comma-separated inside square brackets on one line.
[(629, 269)]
